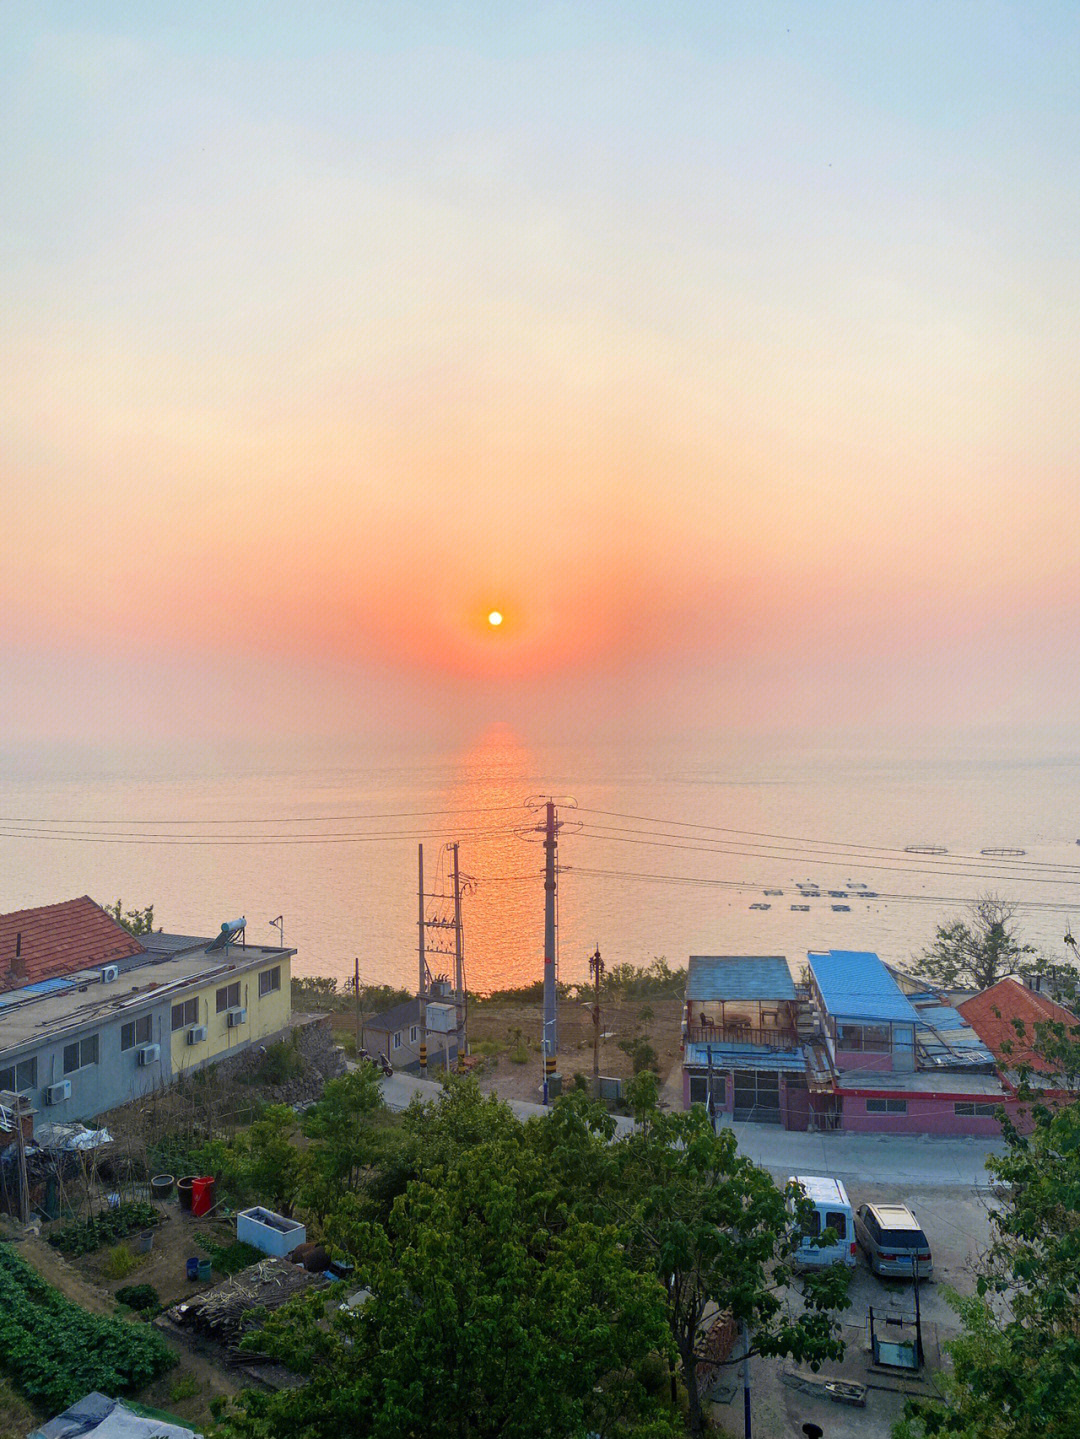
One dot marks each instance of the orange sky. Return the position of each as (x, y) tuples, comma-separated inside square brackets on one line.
[(726, 359)]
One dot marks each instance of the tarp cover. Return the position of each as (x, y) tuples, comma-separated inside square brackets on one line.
[(104, 1418)]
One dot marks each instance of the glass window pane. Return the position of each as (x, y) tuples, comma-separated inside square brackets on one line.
[(127, 1035), (838, 1224), (71, 1058)]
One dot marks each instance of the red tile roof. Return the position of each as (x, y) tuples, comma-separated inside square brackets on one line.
[(58, 939), (991, 1016)]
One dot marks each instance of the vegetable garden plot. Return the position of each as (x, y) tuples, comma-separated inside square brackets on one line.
[(55, 1352)]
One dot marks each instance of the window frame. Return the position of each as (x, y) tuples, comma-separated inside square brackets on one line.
[(222, 1001), (13, 1069), (89, 1041), (974, 1109), (189, 1014), (268, 975), (396, 1040), (145, 1022), (886, 1106)]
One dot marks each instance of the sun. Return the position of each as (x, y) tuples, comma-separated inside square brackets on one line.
[(495, 618)]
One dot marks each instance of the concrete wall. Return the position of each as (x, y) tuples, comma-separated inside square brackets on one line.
[(926, 1114), (265, 1015), (875, 1061), (117, 1077)]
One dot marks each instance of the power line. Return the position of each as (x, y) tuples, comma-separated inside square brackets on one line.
[(615, 836), (280, 819)]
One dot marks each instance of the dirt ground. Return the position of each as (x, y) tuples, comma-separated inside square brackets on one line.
[(514, 1070), (187, 1389)]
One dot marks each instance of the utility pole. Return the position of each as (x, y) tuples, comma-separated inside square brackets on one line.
[(551, 1034), (422, 986), (596, 969), (459, 961), (356, 997)]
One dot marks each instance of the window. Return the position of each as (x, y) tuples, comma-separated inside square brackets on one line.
[(837, 1222), (228, 998), (397, 1040), (886, 1106), (137, 1031), (699, 1089), (979, 1111), (185, 1014), (269, 980), (863, 1036), (19, 1076), (80, 1054), (413, 1033)]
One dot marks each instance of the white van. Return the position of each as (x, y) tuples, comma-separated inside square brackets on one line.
[(832, 1210)]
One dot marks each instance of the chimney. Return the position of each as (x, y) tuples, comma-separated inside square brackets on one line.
[(18, 967)]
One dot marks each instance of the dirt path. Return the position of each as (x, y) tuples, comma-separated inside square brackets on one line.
[(52, 1265)]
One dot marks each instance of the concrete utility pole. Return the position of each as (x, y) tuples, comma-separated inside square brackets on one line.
[(551, 1033), (459, 961), (596, 969), (356, 997), (422, 986)]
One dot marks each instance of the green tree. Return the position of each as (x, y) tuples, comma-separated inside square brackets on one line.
[(135, 921), (342, 1126), (716, 1231), (267, 1163), (1016, 1367), (500, 1304), (977, 952)]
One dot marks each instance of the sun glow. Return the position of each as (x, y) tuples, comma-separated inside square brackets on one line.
[(494, 618)]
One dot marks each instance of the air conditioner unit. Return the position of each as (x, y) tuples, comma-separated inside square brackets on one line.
[(149, 1053), (57, 1093), (236, 1016), (110, 973), (196, 1034)]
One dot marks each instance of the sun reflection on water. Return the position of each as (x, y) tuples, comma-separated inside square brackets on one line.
[(503, 898)]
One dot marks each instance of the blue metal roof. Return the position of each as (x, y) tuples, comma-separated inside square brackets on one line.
[(743, 1056), (737, 976), (854, 984)]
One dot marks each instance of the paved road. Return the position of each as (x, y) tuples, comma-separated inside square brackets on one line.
[(919, 1161)]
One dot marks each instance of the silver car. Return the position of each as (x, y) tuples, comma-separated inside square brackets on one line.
[(893, 1242)]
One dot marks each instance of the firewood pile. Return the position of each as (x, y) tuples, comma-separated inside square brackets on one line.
[(230, 1309), (714, 1349)]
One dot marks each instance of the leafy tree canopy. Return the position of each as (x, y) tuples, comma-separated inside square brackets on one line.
[(1016, 1366), (717, 1232), (977, 952), (135, 921)]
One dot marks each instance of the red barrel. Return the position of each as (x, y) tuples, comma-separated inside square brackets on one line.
[(202, 1194)]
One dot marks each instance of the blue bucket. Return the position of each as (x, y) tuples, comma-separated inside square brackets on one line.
[(193, 1268)]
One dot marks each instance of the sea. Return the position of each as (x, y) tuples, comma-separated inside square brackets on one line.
[(710, 843)]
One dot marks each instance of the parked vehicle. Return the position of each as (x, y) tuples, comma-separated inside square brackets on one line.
[(832, 1212), (893, 1241)]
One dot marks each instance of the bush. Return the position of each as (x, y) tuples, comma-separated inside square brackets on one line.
[(138, 1296), (519, 1054), (119, 1262), (229, 1258), (185, 1387), (280, 1062)]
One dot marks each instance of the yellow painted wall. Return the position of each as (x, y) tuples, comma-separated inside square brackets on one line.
[(264, 1016)]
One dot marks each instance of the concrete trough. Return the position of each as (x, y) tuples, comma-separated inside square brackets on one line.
[(269, 1232)]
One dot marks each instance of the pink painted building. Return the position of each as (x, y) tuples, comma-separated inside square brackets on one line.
[(902, 1063)]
